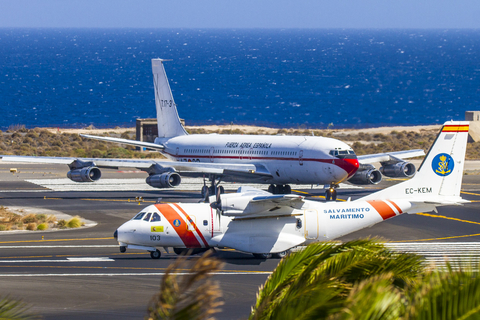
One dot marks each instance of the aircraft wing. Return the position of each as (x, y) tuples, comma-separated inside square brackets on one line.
[(136, 143), (236, 172), (393, 157)]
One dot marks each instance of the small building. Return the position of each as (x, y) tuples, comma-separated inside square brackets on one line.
[(147, 130), (474, 129)]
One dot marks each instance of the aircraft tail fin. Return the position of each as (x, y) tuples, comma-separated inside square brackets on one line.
[(169, 124), (439, 177)]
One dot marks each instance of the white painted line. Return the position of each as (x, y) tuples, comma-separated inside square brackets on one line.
[(89, 259), (123, 274), (72, 246), (68, 260)]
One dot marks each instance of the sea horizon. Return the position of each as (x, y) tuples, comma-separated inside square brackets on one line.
[(296, 78)]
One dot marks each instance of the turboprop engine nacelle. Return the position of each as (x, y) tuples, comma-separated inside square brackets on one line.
[(232, 204), (164, 180), (366, 174), (399, 169), (87, 174)]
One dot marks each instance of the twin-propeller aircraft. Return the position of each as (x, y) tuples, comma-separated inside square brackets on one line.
[(275, 160), (261, 223)]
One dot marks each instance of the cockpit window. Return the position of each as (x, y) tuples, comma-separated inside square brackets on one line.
[(155, 217), (341, 153), (139, 216), (147, 217)]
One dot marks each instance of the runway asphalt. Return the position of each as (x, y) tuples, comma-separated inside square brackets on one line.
[(80, 273)]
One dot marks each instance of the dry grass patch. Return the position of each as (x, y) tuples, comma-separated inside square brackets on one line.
[(21, 220)]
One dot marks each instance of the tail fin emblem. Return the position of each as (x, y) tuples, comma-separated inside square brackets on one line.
[(443, 164)]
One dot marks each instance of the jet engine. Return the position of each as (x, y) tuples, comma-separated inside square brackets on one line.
[(366, 174), (87, 174), (400, 169), (164, 180)]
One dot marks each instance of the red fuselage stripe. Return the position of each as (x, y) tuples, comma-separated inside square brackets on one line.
[(187, 236), (192, 222)]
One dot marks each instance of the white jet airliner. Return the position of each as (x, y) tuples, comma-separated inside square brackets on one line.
[(258, 222), (275, 160)]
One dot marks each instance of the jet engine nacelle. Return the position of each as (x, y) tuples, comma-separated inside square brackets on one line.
[(164, 180), (87, 174), (399, 169), (366, 174)]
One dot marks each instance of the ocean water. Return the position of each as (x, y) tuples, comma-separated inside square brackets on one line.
[(279, 78)]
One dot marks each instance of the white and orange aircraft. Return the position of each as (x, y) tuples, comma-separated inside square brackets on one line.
[(275, 160), (261, 223)]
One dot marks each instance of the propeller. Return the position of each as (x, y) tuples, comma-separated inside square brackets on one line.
[(217, 205)]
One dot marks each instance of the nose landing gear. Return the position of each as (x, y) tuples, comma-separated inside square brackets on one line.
[(331, 192)]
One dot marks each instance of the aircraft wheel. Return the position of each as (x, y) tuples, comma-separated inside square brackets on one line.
[(155, 254), (281, 255), (262, 256), (123, 249), (328, 195), (271, 189), (287, 189), (334, 195), (211, 190), (180, 251), (278, 189), (205, 192)]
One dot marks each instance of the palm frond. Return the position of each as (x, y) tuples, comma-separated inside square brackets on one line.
[(14, 310), (188, 296)]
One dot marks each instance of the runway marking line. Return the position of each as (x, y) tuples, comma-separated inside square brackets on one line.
[(106, 200), (443, 238), (470, 193), (57, 240), (121, 268), (448, 218), (124, 274)]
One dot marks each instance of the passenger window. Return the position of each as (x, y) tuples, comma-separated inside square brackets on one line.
[(155, 217), (139, 216), (147, 217), (205, 222)]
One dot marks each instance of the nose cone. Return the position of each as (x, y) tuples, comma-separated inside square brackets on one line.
[(350, 166), (115, 234)]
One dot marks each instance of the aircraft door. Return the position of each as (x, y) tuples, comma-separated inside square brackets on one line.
[(212, 150), (300, 157), (311, 224)]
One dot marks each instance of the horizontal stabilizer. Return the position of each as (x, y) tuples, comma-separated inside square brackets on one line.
[(396, 156)]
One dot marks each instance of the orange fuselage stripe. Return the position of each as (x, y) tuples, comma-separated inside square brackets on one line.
[(193, 223), (187, 236), (395, 205), (382, 208)]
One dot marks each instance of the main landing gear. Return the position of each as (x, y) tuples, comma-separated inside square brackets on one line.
[(331, 192), (279, 189), (213, 189)]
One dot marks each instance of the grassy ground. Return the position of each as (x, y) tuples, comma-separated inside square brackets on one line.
[(20, 220), (42, 142)]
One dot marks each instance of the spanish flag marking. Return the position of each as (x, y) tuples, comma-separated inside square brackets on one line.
[(450, 128), (156, 229)]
